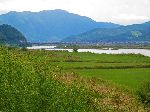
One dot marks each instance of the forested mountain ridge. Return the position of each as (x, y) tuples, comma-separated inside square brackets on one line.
[(51, 25), (130, 33)]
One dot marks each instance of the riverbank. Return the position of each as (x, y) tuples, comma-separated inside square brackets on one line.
[(144, 52)]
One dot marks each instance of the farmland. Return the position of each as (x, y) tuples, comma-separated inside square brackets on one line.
[(127, 70), (51, 81)]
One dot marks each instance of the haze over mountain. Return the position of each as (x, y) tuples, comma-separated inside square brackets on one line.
[(51, 25), (10, 35), (130, 33)]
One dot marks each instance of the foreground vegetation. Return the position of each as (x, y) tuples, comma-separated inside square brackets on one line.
[(50, 81)]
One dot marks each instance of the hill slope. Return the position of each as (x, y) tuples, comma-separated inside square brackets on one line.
[(10, 35), (130, 33), (51, 25)]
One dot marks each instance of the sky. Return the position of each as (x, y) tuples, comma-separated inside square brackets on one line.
[(123, 12)]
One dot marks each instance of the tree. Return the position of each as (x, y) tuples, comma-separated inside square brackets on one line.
[(75, 48)]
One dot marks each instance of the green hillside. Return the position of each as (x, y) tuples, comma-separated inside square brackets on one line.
[(10, 35)]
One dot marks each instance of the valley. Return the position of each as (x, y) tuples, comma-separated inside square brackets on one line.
[(58, 61)]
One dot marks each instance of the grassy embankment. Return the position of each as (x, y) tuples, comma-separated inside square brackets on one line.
[(49, 81)]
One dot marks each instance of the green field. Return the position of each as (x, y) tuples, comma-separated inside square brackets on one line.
[(126, 70), (59, 81), (130, 78)]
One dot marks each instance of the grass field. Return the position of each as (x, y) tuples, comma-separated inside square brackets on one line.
[(127, 70), (130, 78), (50, 81)]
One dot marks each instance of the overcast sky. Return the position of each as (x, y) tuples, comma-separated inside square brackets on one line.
[(117, 11)]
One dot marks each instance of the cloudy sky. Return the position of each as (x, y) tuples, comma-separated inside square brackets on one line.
[(117, 11)]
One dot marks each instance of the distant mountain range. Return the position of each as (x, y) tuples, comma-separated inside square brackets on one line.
[(51, 25), (11, 36), (130, 33)]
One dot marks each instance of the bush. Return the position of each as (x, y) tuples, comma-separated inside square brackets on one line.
[(144, 93), (24, 49), (75, 49)]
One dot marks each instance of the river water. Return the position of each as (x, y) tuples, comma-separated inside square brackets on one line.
[(144, 52)]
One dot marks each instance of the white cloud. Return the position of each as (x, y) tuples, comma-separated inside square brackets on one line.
[(130, 18), (118, 11)]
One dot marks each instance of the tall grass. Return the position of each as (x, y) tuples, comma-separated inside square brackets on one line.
[(27, 85)]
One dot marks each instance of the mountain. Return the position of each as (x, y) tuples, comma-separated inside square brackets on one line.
[(51, 25), (10, 35), (130, 33)]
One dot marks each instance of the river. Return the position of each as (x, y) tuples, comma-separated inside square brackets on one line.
[(144, 52)]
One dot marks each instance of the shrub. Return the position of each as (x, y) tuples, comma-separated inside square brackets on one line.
[(24, 49), (75, 49), (144, 93)]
